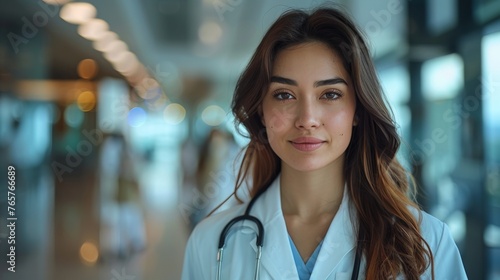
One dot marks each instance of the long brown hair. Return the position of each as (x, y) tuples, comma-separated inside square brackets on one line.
[(377, 184)]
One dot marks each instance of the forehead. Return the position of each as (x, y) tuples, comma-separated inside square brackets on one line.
[(309, 59)]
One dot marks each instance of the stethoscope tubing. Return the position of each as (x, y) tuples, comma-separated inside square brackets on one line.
[(260, 241), (245, 217)]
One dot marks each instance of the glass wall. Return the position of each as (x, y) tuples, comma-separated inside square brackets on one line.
[(491, 114)]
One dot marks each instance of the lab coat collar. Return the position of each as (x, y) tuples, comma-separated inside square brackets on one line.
[(277, 257), (339, 240)]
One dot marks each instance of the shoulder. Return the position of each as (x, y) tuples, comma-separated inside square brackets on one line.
[(445, 253), (212, 225), (203, 241), (431, 228)]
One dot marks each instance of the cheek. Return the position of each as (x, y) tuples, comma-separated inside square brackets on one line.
[(340, 123), (277, 119)]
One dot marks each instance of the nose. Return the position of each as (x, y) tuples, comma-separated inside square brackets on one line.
[(307, 115)]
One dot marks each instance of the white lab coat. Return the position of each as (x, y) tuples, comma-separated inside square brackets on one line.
[(335, 259)]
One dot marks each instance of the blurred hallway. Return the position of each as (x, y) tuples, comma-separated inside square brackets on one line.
[(116, 116), (166, 237)]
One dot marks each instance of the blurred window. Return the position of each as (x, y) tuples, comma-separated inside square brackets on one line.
[(442, 80), (442, 77), (490, 92), (395, 82), (113, 105), (485, 10), (442, 15), (490, 86), (439, 150)]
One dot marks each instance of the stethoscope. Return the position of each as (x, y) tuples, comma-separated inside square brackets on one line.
[(260, 240)]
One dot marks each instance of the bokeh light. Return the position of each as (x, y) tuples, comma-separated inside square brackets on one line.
[(158, 102), (73, 116), (115, 46), (210, 33), (137, 75), (213, 115), (103, 42), (93, 29), (174, 113), (114, 50), (136, 117), (87, 69), (124, 61), (89, 253), (148, 88), (86, 101), (77, 12)]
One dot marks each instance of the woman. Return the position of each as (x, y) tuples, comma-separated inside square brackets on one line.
[(321, 163)]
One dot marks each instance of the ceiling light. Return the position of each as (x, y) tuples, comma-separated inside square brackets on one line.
[(93, 29), (114, 49), (138, 74), (103, 42), (121, 58), (124, 60), (77, 12), (148, 88)]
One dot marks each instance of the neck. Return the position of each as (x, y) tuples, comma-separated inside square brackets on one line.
[(313, 194)]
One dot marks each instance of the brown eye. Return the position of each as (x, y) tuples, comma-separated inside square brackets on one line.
[(331, 95), (283, 95)]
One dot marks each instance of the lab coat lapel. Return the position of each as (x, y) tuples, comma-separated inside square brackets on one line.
[(338, 242), (277, 258)]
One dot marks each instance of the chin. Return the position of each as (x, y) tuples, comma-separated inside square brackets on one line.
[(307, 167)]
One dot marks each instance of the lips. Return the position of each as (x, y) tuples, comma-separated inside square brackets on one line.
[(307, 144)]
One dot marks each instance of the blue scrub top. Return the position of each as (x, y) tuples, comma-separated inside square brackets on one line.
[(304, 269)]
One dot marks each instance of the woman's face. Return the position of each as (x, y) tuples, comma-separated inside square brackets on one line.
[(308, 110)]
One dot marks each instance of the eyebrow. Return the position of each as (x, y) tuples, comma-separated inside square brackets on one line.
[(286, 81)]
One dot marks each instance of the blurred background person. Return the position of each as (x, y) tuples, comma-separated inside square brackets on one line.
[(122, 223), (216, 173)]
